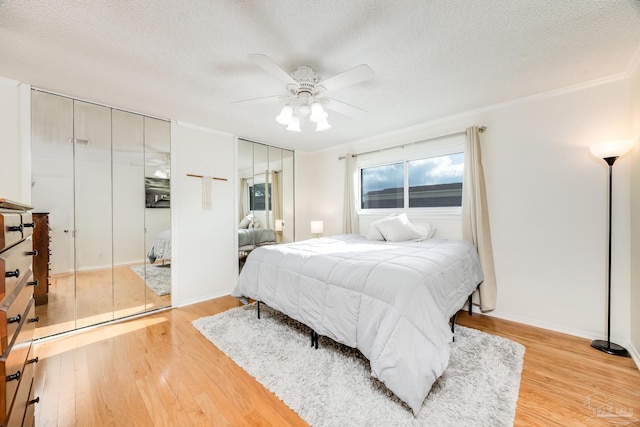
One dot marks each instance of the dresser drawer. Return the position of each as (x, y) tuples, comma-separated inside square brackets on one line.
[(10, 229), (30, 413), (27, 224), (14, 264), (23, 398), (12, 308), (13, 361)]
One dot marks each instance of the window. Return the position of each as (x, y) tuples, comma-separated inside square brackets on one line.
[(436, 181), (257, 196), (382, 186), (423, 183)]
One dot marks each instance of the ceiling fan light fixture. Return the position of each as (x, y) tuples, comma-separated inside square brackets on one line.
[(294, 126), (323, 125), (317, 113), (286, 116), (306, 93)]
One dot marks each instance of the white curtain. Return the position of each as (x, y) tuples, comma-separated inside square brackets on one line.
[(243, 208), (276, 197), (350, 214), (266, 200), (475, 219)]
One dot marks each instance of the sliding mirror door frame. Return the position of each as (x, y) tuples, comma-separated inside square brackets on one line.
[(89, 164)]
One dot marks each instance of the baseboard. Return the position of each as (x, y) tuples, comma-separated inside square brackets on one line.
[(538, 324), (559, 328), (635, 355), (202, 298)]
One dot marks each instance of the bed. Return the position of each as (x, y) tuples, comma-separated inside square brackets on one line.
[(249, 238), (390, 300), (161, 247)]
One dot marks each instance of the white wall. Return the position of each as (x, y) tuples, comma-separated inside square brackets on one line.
[(15, 131), (547, 202), (204, 256)]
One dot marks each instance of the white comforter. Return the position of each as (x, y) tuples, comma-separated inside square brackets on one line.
[(392, 301)]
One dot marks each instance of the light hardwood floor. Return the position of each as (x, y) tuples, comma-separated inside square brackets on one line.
[(91, 297), (159, 371)]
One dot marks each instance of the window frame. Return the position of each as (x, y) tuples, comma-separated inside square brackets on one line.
[(405, 154)]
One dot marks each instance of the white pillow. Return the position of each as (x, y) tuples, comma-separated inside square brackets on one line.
[(255, 223), (425, 230), (244, 223), (374, 233), (398, 229)]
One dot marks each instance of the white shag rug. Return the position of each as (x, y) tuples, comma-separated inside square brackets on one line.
[(333, 386), (158, 277)]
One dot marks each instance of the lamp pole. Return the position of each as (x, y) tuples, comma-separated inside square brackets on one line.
[(607, 346)]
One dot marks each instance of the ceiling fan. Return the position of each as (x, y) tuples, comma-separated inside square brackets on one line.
[(306, 93), (159, 161)]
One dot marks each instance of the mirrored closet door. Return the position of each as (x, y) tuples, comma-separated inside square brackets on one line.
[(100, 188), (266, 195)]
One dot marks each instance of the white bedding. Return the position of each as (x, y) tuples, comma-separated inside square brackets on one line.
[(161, 248), (392, 301)]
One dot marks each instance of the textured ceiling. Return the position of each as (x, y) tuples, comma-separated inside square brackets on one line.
[(188, 60)]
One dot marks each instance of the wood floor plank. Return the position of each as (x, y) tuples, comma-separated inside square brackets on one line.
[(160, 371)]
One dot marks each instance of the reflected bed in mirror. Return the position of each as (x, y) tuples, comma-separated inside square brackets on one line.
[(161, 248)]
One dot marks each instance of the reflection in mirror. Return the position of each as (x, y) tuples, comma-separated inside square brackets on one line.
[(93, 214), (89, 164), (128, 213), (52, 197), (157, 212), (288, 214), (265, 194)]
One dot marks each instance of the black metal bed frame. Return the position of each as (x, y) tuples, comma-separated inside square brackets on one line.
[(315, 336)]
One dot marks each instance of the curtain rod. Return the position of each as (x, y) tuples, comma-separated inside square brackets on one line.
[(481, 129)]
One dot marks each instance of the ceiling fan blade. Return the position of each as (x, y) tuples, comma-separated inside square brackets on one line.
[(265, 100), (350, 77), (343, 108), (272, 68)]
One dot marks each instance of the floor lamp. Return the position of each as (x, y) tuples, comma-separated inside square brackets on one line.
[(610, 151)]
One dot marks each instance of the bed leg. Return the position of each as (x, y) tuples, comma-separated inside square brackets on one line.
[(453, 325), (471, 305), (258, 309), (314, 339)]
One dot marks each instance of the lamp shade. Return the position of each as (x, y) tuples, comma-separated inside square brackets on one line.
[(608, 149), (316, 227), (294, 126), (323, 125), (286, 115), (279, 225), (317, 113)]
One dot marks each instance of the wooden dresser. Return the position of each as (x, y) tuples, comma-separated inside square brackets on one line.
[(17, 315), (41, 264)]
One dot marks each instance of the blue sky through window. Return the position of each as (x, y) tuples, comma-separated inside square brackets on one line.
[(434, 170), (437, 170)]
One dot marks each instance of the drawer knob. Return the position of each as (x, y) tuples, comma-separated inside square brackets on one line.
[(15, 228), (12, 273), (34, 283), (14, 319), (34, 360), (34, 319), (33, 252), (34, 401), (14, 377), (29, 225)]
